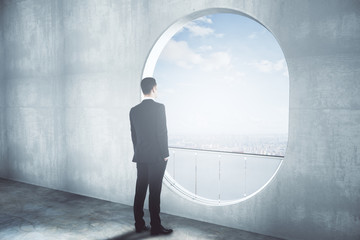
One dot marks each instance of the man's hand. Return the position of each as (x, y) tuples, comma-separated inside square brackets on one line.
[(165, 159)]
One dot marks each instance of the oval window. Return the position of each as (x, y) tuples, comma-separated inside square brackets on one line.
[(224, 81)]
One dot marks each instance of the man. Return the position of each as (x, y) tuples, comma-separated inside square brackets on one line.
[(150, 141)]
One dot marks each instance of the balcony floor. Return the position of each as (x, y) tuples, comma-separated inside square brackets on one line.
[(32, 212)]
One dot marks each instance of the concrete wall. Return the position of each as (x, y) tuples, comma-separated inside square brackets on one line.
[(3, 144), (33, 43), (72, 72), (100, 84)]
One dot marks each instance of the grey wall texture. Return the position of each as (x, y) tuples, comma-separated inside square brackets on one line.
[(71, 69), (3, 158)]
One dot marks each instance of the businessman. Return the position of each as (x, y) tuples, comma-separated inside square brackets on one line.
[(151, 153)]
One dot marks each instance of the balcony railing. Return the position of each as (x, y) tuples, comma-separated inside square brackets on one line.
[(219, 177)]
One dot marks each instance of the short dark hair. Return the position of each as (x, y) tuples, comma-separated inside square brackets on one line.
[(147, 84)]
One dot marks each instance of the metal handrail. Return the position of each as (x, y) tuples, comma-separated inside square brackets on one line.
[(228, 152)]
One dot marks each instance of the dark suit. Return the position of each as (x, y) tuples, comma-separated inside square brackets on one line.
[(149, 137)]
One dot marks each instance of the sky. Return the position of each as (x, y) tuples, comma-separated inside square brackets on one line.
[(223, 74)]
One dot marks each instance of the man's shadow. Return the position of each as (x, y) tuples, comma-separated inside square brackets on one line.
[(132, 235)]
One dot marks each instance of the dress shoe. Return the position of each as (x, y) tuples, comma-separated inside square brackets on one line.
[(142, 229), (161, 230)]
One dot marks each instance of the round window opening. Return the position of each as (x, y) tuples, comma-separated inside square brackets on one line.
[(224, 81)]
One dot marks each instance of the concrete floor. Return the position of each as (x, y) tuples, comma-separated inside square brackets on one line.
[(32, 212)]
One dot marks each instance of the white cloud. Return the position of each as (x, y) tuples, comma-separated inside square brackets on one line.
[(205, 48), (181, 54), (252, 35), (216, 61), (267, 66), (205, 20), (219, 35), (279, 65), (286, 73), (255, 35), (197, 30), (233, 77)]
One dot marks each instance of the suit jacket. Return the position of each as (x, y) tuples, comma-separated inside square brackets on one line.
[(149, 131)]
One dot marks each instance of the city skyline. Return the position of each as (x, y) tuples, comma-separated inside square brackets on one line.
[(274, 145)]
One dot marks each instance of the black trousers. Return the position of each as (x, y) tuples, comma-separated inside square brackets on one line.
[(148, 174)]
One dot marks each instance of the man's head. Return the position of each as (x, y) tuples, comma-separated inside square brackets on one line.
[(148, 86)]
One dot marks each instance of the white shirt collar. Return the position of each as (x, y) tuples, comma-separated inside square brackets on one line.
[(146, 98)]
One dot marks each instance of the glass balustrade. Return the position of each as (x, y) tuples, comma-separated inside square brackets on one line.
[(220, 178)]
